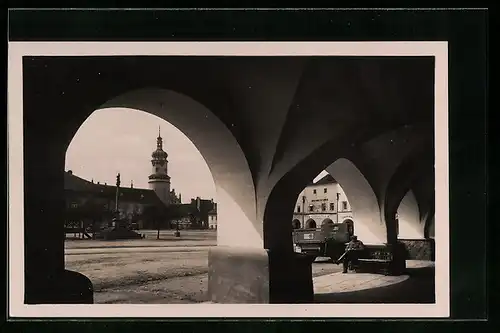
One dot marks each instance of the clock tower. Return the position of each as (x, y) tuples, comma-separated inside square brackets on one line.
[(159, 181)]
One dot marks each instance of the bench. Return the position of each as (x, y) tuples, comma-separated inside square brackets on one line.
[(376, 266), (375, 260)]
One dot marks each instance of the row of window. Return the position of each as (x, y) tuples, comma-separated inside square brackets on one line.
[(325, 190), (323, 206)]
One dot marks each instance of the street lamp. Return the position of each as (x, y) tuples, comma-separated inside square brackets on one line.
[(116, 217), (177, 232), (303, 209), (337, 215)]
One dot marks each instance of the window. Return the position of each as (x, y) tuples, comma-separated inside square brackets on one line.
[(332, 206), (311, 208), (157, 169), (325, 190), (344, 205), (323, 207), (314, 191), (298, 209)]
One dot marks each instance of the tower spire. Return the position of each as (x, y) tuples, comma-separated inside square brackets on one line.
[(159, 180)]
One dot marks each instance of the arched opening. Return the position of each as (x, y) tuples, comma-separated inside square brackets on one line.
[(407, 174), (327, 222), (362, 199), (236, 220), (350, 226), (310, 224), (408, 221), (296, 224), (224, 159), (126, 147), (94, 81)]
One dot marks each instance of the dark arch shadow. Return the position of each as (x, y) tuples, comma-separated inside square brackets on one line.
[(296, 224), (409, 222), (362, 198), (417, 163), (310, 224), (418, 288), (327, 222), (350, 226)]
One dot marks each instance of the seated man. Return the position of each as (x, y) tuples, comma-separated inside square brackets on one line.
[(352, 249)]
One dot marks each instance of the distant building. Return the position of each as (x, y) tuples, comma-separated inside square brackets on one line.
[(86, 196), (212, 218), (195, 214), (321, 202)]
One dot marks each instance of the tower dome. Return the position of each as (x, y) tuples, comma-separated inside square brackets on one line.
[(159, 154)]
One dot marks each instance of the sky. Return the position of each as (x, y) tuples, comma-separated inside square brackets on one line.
[(121, 140)]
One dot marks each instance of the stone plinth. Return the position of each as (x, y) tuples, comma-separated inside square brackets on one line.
[(239, 275)]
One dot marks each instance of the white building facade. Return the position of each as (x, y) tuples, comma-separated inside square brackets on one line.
[(212, 218), (212, 221), (321, 202)]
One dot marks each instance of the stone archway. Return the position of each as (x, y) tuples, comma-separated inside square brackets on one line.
[(310, 224), (221, 151), (296, 224), (259, 101), (327, 222), (350, 226), (409, 223), (362, 198), (421, 161), (229, 167)]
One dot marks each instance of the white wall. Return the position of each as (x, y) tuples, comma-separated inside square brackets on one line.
[(212, 221), (409, 218), (318, 198)]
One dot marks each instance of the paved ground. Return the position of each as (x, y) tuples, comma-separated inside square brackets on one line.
[(417, 286), (173, 270)]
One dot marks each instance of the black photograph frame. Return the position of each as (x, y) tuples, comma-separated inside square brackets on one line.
[(466, 32)]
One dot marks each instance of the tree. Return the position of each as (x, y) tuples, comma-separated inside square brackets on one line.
[(156, 216), (79, 215)]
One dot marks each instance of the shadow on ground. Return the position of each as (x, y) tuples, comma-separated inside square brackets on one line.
[(419, 288)]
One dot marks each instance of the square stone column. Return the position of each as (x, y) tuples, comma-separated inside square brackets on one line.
[(245, 275)]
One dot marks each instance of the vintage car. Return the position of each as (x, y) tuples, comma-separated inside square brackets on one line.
[(327, 241)]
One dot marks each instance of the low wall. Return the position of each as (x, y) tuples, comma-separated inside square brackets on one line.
[(419, 249)]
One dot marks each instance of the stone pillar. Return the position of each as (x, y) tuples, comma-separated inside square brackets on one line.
[(46, 281), (43, 223), (397, 250), (246, 267), (246, 275), (291, 273), (238, 275)]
